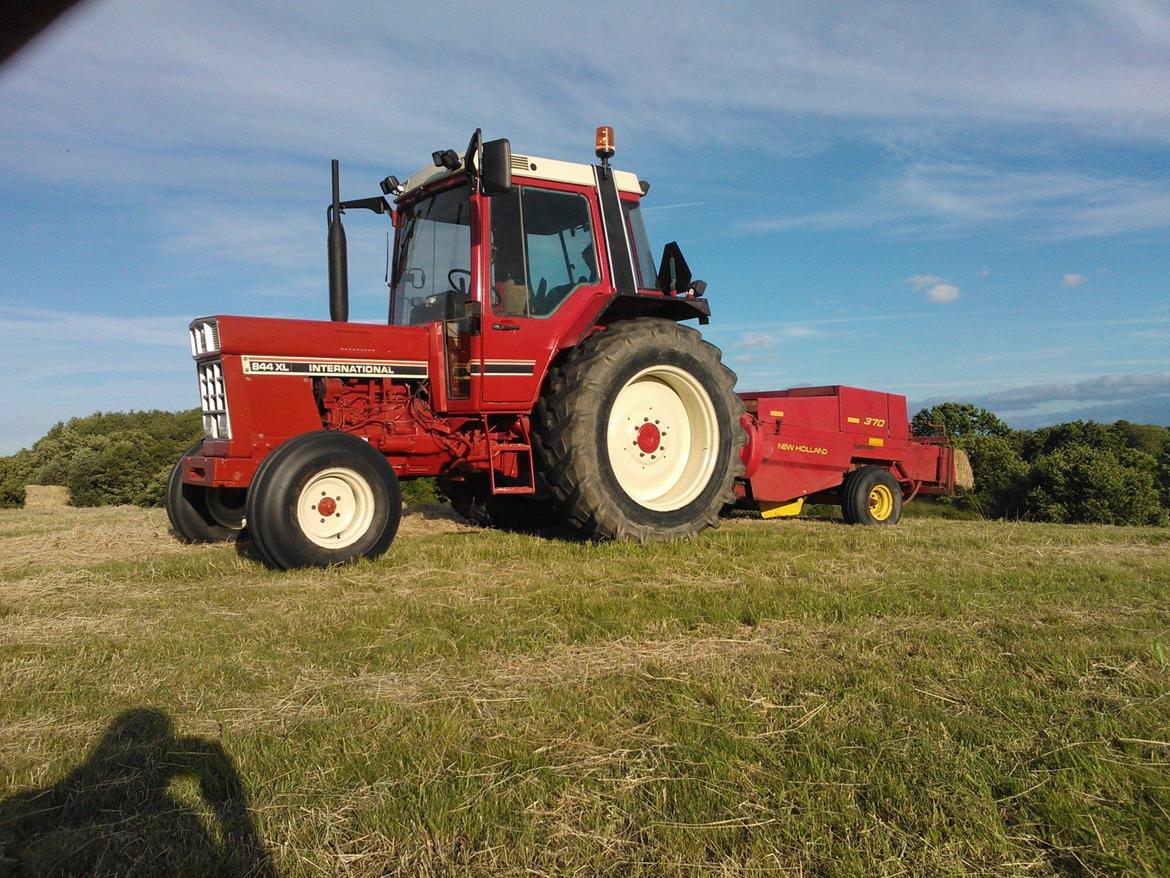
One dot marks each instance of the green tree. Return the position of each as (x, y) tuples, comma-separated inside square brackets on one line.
[(1001, 476), (961, 420)]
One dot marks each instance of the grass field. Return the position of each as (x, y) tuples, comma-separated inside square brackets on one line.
[(784, 698)]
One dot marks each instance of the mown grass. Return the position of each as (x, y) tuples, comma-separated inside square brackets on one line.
[(782, 698)]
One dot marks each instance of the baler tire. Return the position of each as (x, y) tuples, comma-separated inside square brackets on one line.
[(846, 509), (187, 508), (873, 497), (282, 502), (579, 427)]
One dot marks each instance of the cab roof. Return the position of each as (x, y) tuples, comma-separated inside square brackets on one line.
[(533, 167)]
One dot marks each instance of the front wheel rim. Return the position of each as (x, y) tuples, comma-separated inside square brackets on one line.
[(335, 508), (881, 502), (662, 438)]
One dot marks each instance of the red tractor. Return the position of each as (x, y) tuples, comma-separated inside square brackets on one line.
[(535, 362)]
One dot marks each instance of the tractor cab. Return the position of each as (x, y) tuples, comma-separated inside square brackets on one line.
[(518, 257)]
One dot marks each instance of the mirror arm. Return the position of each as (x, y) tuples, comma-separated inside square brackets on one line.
[(377, 204)]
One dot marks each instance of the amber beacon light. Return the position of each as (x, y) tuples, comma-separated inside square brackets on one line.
[(604, 143)]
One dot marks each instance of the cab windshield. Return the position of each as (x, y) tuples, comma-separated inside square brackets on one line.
[(432, 259)]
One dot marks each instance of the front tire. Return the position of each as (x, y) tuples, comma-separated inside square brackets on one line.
[(638, 433), (199, 514), (322, 499)]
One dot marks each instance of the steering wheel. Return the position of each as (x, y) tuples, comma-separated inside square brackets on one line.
[(455, 285)]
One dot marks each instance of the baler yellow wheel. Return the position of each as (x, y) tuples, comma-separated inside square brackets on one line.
[(881, 502)]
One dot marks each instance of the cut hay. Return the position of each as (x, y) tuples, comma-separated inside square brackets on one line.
[(964, 475), (45, 496)]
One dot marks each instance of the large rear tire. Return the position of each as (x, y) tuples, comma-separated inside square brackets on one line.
[(322, 499), (199, 514), (638, 433)]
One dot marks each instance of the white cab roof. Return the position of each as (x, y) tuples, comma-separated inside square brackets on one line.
[(534, 167)]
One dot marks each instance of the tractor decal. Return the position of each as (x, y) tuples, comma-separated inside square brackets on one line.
[(504, 368), (334, 368)]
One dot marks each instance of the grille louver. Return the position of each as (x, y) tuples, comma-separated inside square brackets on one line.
[(520, 163), (213, 397), (204, 338)]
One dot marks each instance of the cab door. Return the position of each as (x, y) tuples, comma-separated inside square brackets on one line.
[(543, 260)]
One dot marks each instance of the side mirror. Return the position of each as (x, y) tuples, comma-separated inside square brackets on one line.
[(496, 167), (674, 276)]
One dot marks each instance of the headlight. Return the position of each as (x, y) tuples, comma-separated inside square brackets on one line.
[(204, 337)]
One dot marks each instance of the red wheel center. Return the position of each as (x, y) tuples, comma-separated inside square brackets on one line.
[(327, 506), (649, 437)]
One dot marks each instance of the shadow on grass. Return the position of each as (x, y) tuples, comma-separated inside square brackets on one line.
[(117, 813), (246, 548)]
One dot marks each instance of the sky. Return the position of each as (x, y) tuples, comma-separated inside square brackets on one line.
[(965, 201)]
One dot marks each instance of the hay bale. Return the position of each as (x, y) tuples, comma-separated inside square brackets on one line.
[(45, 496), (964, 475)]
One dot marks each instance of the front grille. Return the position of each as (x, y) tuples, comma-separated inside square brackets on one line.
[(213, 395)]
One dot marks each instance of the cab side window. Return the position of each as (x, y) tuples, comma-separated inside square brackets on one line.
[(542, 250)]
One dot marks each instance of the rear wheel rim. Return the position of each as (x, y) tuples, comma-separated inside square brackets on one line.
[(881, 502), (662, 438), (335, 508)]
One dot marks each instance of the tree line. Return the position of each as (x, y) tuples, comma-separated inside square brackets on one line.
[(1076, 472)]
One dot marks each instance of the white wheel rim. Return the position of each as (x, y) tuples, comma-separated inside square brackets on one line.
[(663, 438), (336, 507)]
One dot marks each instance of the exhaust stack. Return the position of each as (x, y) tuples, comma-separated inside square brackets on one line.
[(338, 261)]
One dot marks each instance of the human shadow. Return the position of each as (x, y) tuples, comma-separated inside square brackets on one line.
[(118, 813)]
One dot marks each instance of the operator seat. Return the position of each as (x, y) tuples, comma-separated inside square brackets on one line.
[(513, 297)]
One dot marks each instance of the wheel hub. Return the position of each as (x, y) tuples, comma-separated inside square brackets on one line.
[(881, 503), (649, 437), (335, 508)]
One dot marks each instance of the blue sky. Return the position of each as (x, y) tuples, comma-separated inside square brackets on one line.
[(948, 200)]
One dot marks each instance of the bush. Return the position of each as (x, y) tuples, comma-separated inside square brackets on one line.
[(112, 458), (1090, 484), (1001, 475), (1079, 471), (418, 491)]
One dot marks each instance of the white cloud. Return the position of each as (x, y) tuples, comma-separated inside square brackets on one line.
[(1073, 280), (754, 340), (941, 200), (1104, 388), (919, 281), (943, 293), (799, 332), (937, 288)]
